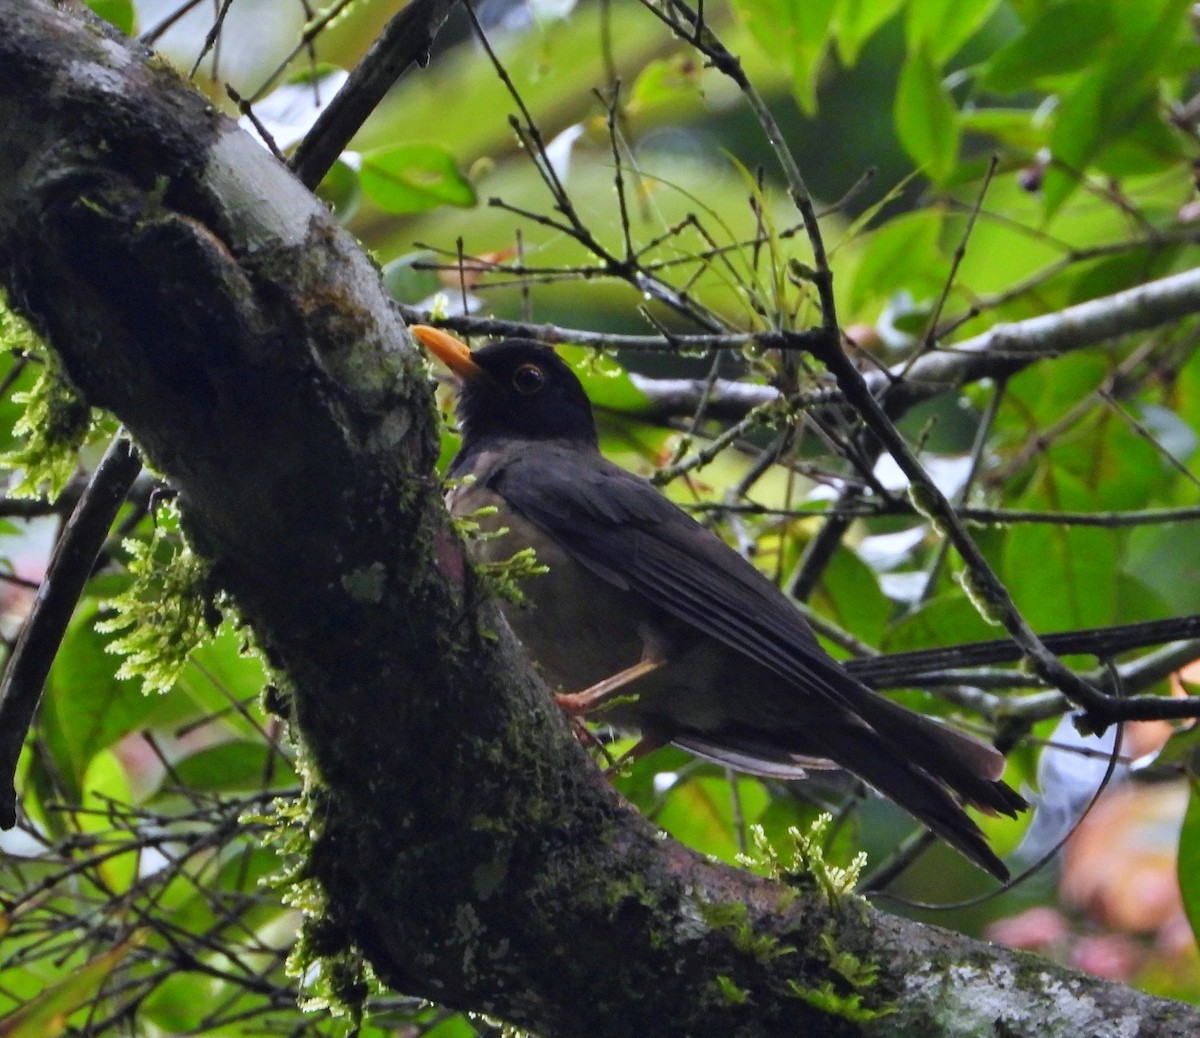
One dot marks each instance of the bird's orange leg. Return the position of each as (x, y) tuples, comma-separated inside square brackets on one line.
[(589, 699)]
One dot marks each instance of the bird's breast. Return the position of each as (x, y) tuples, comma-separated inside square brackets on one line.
[(580, 628), (577, 627)]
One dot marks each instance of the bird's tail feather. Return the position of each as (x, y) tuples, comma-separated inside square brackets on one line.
[(969, 767), (948, 761), (923, 790)]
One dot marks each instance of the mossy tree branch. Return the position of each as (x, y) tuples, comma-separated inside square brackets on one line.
[(465, 842)]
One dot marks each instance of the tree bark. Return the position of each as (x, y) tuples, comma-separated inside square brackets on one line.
[(464, 840)]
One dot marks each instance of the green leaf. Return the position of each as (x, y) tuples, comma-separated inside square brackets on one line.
[(181, 1002), (849, 594), (1043, 50), (1118, 467), (411, 178), (941, 27), (1145, 144), (1167, 558), (1111, 101), (666, 83), (794, 35), (1147, 32), (235, 767), (607, 384), (812, 25), (1035, 401), (116, 12), (904, 254), (106, 784), (243, 865), (1015, 128), (1061, 577), (700, 814), (46, 1015), (340, 190), (856, 21), (408, 284), (947, 619), (1189, 858), (926, 118), (92, 707), (451, 1027), (1078, 131)]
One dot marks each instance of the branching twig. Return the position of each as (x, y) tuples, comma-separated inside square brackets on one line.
[(405, 39), (70, 566)]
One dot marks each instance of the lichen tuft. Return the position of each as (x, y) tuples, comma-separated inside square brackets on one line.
[(56, 422), (167, 610)]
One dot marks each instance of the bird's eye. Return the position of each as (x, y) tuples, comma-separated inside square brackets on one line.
[(528, 378)]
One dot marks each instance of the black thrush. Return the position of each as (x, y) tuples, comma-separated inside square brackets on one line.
[(646, 611)]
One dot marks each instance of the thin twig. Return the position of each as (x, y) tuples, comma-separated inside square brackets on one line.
[(70, 566)]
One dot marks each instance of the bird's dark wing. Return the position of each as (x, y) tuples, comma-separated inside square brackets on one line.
[(622, 529)]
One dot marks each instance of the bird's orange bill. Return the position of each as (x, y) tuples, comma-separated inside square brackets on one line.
[(450, 351)]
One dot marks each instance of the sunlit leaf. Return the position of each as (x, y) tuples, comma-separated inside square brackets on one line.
[(856, 21), (794, 34), (410, 178), (926, 118), (701, 813), (1015, 128), (606, 382), (181, 1002), (1040, 50), (106, 789), (941, 27), (903, 254), (665, 82), (120, 13)]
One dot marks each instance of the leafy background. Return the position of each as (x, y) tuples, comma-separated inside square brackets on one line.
[(138, 890)]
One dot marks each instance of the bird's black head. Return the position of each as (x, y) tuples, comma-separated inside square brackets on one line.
[(515, 389)]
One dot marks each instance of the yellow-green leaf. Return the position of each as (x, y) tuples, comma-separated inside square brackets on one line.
[(411, 178), (46, 1015), (926, 118)]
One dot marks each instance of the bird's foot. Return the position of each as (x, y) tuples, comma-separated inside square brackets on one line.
[(578, 704)]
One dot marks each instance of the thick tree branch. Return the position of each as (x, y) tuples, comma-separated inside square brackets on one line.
[(466, 843), (406, 39)]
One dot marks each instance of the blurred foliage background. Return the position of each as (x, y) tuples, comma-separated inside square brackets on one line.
[(975, 162)]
